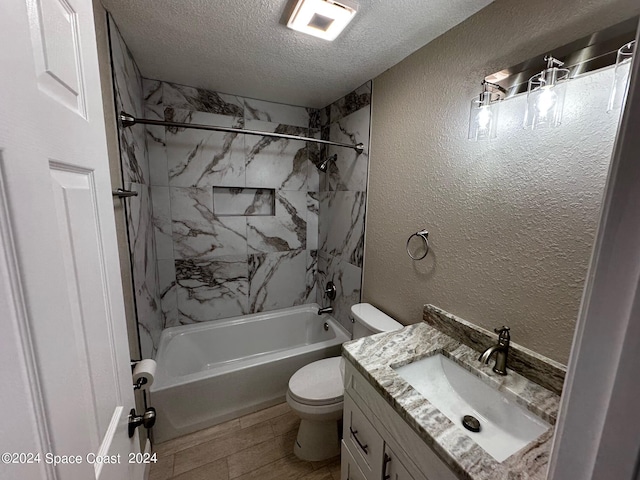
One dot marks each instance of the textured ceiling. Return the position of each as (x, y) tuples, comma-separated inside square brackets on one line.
[(244, 47)]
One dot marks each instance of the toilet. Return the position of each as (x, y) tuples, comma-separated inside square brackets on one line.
[(316, 391)]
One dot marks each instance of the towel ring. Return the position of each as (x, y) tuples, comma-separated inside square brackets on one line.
[(423, 234)]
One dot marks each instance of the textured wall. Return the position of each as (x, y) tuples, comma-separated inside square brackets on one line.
[(511, 221), (244, 47)]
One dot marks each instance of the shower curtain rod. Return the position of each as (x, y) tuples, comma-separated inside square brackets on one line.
[(127, 120)]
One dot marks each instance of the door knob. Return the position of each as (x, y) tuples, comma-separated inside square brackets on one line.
[(147, 419)]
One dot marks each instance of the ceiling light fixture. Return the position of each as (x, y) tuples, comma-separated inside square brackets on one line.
[(545, 95), (483, 118), (322, 18)]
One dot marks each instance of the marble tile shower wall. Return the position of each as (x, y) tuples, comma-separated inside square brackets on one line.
[(190, 262), (342, 200), (213, 264), (136, 176)]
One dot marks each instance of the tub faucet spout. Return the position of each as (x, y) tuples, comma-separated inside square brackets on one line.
[(325, 310), (501, 350)]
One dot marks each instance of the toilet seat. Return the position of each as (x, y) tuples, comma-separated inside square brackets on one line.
[(319, 383)]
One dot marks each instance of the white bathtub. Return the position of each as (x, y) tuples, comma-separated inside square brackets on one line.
[(212, 372)]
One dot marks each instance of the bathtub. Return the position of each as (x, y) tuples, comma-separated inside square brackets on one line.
[(215, 371)]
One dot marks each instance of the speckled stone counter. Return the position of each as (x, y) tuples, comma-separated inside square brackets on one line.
[(374, 358), (535, 367)]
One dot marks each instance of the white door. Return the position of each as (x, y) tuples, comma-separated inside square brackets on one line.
[(65, 388)]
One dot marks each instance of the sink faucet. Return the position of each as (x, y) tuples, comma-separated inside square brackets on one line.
[(325, 310), (501, 350)]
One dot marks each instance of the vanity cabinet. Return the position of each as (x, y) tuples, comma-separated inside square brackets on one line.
[(377, 444), (392, 467)]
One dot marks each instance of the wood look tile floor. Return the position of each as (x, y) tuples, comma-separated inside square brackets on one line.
[(256, 446)]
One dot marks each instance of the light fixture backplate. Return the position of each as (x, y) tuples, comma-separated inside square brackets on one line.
[(586, 54)]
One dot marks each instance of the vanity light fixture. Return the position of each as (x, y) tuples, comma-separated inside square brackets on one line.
[(545, 95), (322, 18), (621, 76), (483, 118)]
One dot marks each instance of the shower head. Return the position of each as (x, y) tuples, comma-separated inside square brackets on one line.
[(324, 165)]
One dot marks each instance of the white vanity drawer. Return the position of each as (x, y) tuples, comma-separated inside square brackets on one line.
[(392, 469), (349, 469), (416, 457), (362, 440)]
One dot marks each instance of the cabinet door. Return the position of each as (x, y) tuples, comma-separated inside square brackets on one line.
[(392, 469), (362, 440)]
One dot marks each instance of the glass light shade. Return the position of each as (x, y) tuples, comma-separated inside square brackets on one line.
[(621, 77), (545, 98), (483, 118)]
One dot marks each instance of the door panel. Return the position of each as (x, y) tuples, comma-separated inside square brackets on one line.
[(55, 37), (74, 194)]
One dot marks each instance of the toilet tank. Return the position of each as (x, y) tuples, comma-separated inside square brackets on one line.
[(370, 320)]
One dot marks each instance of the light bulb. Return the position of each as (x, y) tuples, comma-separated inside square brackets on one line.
[(545, 95), (484, 118), (546, 101)]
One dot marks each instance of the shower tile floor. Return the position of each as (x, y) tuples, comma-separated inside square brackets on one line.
[(256, 446)]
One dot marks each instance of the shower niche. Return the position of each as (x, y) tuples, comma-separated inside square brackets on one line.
[(234, 201)]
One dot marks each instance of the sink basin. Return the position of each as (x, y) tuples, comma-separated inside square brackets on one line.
[(505, 427)]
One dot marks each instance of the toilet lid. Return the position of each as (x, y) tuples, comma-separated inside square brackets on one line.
[(319, 383), (373, 319)]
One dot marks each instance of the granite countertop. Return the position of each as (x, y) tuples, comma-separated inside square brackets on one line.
[(375, 356)]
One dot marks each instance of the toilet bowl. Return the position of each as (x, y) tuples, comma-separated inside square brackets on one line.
[(316, 391), (316, 395)]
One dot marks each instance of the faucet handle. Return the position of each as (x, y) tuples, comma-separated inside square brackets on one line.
[(503, 332), (330, 290)]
